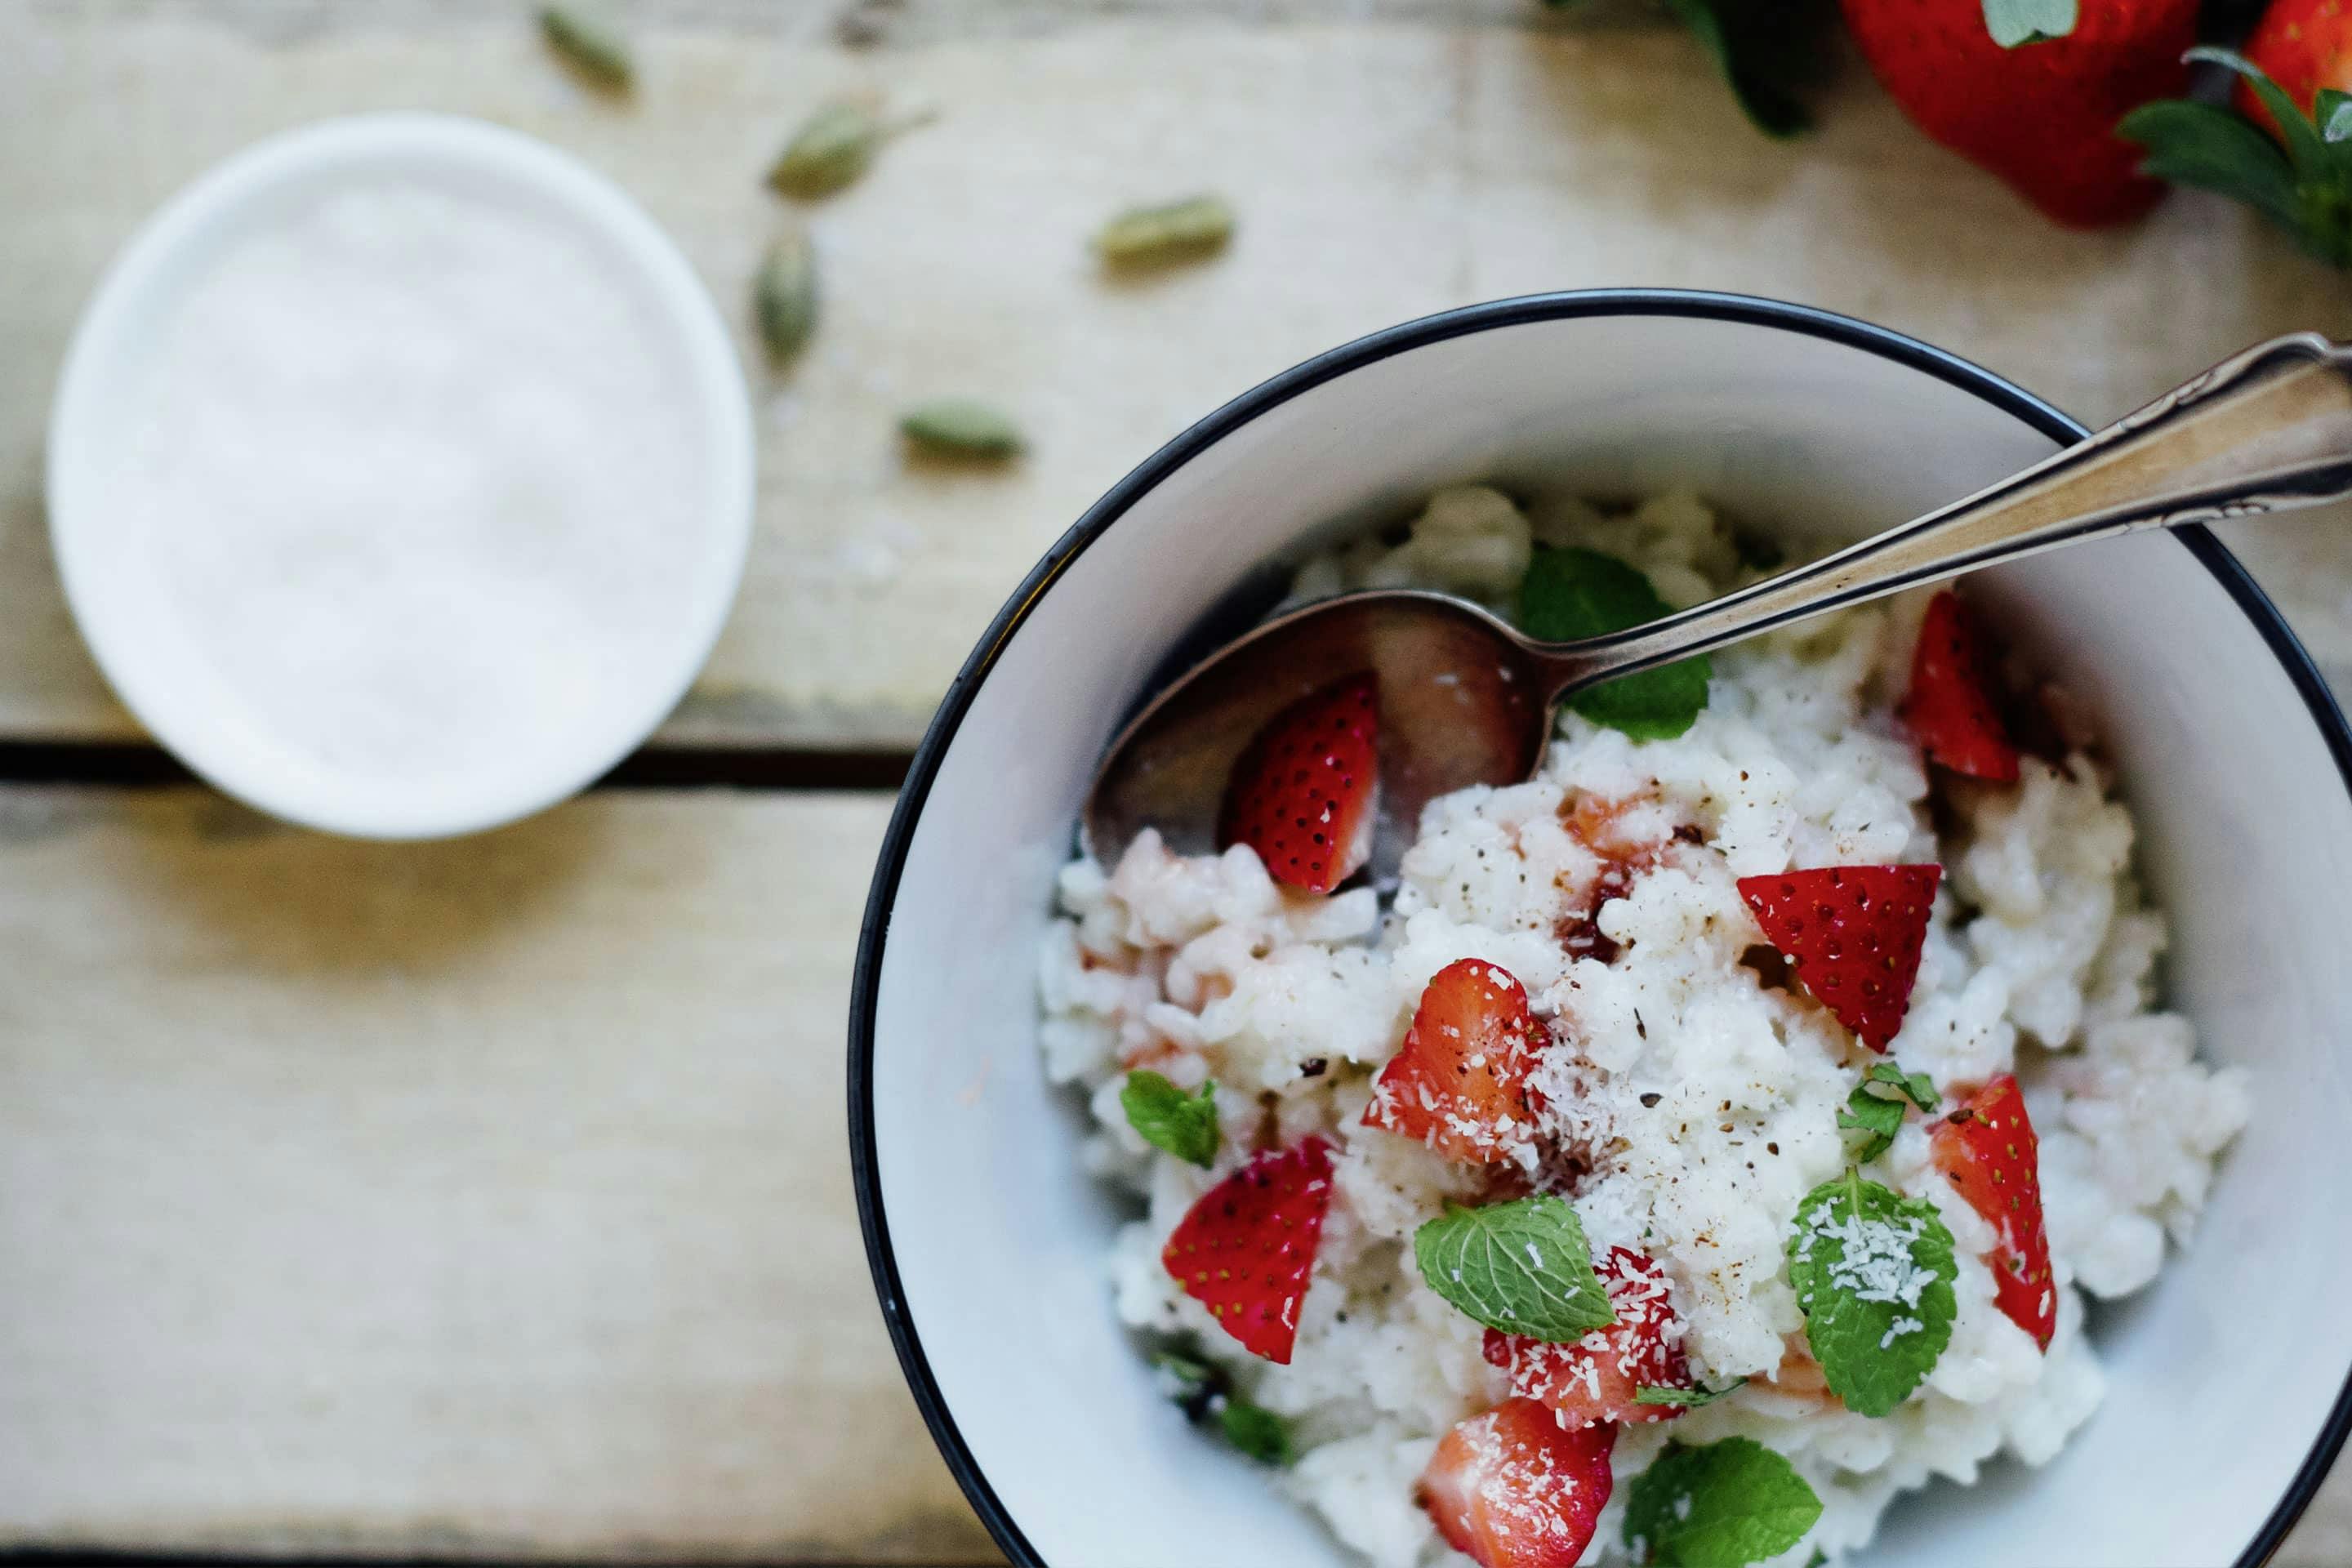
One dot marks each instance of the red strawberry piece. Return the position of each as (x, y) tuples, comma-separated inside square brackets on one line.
[(1246, 1248), (1852, 933), (1987, 1152), (1515, 1489), (1951, 706), (1302, 792), (1595, 1378), (1459, 1082), (2042, 115), (2302, 46)]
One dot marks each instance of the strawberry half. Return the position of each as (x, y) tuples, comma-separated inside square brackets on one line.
[(1987, 1150), (1303, 791), (1852, 933), (1459, 1082), (1514, 1488), (1246, 1248), (1595, 1378), (1950, 707)]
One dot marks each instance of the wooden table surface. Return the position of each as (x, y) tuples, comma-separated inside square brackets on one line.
[(491, 1198)]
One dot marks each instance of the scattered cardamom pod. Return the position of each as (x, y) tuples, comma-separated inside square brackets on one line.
[(783, 294), (590, 46), (1179, 231), (961, 426), (830, 150)]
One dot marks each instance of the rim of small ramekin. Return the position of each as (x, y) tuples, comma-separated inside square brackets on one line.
[(155, 262), (1804, 319)]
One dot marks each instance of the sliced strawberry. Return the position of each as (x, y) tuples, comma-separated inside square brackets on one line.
[(1303, 792), (1246, 1248), (1951, 706), (1515, 1489), (1459, 1082), (1595, 1378), (1987, 1152), (1852, 933)]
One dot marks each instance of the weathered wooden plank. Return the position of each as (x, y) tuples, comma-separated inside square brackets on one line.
[(1383, 168), (486, 1198)]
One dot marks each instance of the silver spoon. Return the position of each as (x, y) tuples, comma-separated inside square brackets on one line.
[(1466, 699)]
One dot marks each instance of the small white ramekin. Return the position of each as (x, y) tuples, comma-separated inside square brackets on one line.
[(153, 678)]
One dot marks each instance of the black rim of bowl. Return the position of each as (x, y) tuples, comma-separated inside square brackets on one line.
[(865, 988)]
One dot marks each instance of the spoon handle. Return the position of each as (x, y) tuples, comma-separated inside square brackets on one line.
[(2265, 430)]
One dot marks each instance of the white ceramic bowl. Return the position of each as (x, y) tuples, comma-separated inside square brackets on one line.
[(2227, 1399), (180, 696)]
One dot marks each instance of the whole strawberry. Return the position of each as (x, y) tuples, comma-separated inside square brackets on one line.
[(2041, 114), (2304, 46)]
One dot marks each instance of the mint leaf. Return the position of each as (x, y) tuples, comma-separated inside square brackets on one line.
[(1686, 1398), (1722, 1506), (1521, 1267), (1166, 1118), (1873, 1271), (1201, 1389), (2015, 22), (1878, 1120), (1879, 1117), (1764, 48), (1259, 1433), (1916, 1086), (1572, 594)]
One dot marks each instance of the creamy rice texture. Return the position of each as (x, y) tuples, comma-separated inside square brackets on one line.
[(1708, 1093)]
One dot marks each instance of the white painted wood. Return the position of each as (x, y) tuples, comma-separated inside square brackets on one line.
[(485, 1197), (1382, 169)]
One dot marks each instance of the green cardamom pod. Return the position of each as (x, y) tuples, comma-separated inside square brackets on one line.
[(830, 150), (1179, 231), (590, 46), (783, 294), (961, 426)]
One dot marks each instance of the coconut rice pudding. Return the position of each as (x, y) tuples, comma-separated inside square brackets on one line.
[(1703, 1142)]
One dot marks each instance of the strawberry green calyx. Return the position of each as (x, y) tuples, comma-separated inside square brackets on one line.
[(2301, 180), (1768, 50)]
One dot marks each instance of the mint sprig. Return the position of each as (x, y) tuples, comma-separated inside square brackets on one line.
[(1684, 1398), (1572, 594), (1878, 1117), (1722, 1506), (1202, 1391), (1165, 1117), (1521, 1267), (2015, 22), (2302, 180), (1873, 1272)]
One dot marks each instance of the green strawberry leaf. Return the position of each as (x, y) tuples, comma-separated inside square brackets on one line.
[(2331, 111), (2214, 148), (1259, 1433), (2304, 148), (1873, 1272), (1185, 1125), (1763, 48), (1684, 1398), (2015, 22), (1521, 1267), (1723, 1506), (1572, 594), (2307, 187)]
